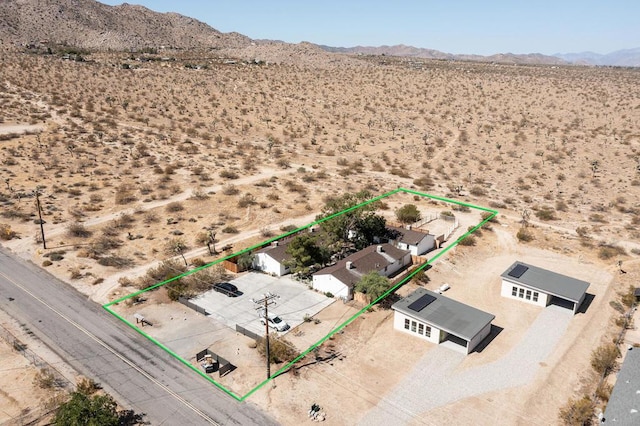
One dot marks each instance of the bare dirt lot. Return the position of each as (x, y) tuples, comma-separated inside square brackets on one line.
[(146, 161)]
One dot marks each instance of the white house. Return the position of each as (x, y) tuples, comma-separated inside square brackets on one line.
[(436, 318), (271, 259), (415, 241), (340, 278), (541, 287)]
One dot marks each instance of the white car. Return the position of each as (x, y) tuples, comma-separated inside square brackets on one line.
[(275, 322)]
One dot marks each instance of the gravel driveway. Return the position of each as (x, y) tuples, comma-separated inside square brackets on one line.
[(433, 383)]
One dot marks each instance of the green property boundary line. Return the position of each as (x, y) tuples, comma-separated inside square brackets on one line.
[(107, 306)]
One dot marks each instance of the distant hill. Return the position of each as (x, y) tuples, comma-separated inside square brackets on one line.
[(417, 52), (93, 25), (620, 58)]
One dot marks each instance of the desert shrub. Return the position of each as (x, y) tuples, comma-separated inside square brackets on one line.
[(125, 194), (486, 215), (173, 207), (577, 412), (87, 386), (166, 270), (546, 213), (47, 263), (150, 217), (524, 235), (582, 231), (230, 230), (460, 208), (607, 251), (469, 241), (280, 350), (230, 190), (78, 230), (228, 174), (603, 358), (283, 162), (75, 273), (44, 379), (6, 233), (603, 392), (246, 200), (116, 261), (424, 182), (421, 277), (477, 191)]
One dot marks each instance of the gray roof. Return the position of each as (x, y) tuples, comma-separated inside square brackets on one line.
[(446, 314), (623, 407), (277, 252), (409, 236), (363, 262), (548, 282)]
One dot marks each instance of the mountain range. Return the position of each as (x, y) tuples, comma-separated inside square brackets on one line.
[(92, 25)]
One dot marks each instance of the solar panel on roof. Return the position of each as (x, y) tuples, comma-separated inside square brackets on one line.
[(518, 271), (420, 304)]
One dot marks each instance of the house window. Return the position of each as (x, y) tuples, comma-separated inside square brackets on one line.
[(427, 331), (514, 291), (535, 296), (406, 323), (528, 294), (521, 295), (421, 329), (413, 326)]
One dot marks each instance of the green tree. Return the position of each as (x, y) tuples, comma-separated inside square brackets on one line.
[(338, 227), (360, 225), (81, 409), (373, 285), (408, 213), (306, 252)]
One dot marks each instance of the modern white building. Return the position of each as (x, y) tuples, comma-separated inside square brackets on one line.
[(541, 287), (340, 278), (438, 319), (271, 259), (416, 242)]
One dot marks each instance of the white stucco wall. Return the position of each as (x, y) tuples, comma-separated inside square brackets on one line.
[(507, 288), (399, 321), (329, 283), (267, 264), (478, 338), (426, 244)]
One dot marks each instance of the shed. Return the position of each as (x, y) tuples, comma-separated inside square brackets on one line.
[(542, 287)]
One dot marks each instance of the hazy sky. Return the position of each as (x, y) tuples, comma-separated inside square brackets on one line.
[(452, 26)]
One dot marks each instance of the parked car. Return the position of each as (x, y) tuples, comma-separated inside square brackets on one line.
[(275, 322), (227, 289)]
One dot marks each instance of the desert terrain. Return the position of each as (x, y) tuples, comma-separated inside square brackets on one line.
[(138, 157)]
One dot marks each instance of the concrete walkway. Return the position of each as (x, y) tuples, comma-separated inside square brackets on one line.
[(433, 381)]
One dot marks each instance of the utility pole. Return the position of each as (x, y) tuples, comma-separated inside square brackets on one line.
[(263, 305), (44, 242)]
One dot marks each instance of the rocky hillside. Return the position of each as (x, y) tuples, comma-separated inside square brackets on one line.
[(93, 25), (417, 52)]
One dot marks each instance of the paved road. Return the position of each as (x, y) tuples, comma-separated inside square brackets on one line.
[(131, 368)]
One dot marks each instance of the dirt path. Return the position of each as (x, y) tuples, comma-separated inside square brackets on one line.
[(102, 291), (6, 129)]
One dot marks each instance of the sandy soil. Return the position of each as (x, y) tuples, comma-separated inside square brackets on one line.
[(250, 149)]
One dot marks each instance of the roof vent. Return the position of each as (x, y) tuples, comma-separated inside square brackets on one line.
[(379, 249), (349, 264)]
